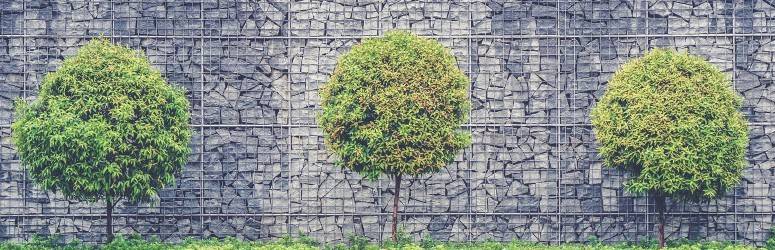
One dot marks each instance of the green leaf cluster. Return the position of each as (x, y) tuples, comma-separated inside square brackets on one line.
[(673, 121), (104, 125), (394, 105)]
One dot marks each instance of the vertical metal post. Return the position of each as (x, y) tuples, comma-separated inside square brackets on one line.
[(24, 95), (202, 119), (379, 181), (290, 113), (648, 46), (734, 87), (111, 208), (559, 122), (112, 22), (470, 120)]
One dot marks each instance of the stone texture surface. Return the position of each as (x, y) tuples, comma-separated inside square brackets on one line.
[(259, 169)]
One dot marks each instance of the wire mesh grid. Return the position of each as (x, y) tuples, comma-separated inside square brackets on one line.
[(259, 170)]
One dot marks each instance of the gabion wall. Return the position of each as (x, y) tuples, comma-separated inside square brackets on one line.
[(259, 169)]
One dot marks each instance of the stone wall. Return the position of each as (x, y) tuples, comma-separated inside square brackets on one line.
[(259, 170)]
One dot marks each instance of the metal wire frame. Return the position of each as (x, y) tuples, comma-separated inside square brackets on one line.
[(268, 169)]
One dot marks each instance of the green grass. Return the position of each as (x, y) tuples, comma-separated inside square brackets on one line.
[(354, 243)]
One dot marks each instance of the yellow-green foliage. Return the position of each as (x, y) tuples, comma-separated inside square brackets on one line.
[(672, 120), (105, 124), (395, 105)]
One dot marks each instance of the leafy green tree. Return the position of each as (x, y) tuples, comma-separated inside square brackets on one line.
[(673, 121), (394, 105), (105, 126)]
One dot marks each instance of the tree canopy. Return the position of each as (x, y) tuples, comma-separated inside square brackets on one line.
[(395, 105), (673, 121), (105, 124)]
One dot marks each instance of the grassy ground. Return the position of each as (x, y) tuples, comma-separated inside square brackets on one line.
[(355, 243)]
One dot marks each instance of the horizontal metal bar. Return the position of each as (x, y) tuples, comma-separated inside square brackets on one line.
[(548, 36), (384, 214), (464, 125), (475, 125)]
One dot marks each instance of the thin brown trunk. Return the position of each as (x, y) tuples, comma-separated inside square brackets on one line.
[(396, 191), (659, 202), (109, 226)]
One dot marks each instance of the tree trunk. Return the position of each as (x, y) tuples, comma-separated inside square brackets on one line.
[(659, 205), (396, 193), (109, 226)]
